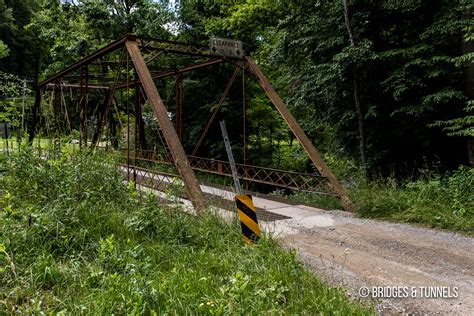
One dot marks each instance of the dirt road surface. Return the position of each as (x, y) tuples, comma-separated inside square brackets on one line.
[(352, 252)]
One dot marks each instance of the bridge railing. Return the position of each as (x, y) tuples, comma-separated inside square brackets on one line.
[(299, 181), (280, 178)]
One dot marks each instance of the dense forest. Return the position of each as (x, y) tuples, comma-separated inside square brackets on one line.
[(387, 83)]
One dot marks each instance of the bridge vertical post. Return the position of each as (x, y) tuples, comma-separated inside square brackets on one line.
[(84, 77), (181, 161), (311, 151), (36, 108), (179, 105), (57, 110), (138, 115), (101, 113)]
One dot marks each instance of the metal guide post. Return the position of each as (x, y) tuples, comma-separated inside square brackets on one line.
[(238, 188), (245, 208)]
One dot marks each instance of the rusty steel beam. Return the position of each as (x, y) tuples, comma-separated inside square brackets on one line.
[(74, 86), (91, 75), (106, 62), (189, 68), (186, 49), (179, 106), (147, 39), (147, 43), (177, 47), (154, 55), (179, 71), (57, 109), (181, 161), (138, 118), (173, 47), (177, 51), (102, 111), (36, 107), (84, 91), (108, 99), (311, 151), (85, 61)]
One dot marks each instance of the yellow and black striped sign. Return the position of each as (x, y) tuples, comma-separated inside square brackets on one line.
[(248, 218)]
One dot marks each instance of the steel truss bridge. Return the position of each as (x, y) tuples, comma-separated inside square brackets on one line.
[(134, 64)]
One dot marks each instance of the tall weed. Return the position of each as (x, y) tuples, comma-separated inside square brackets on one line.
[(438, 201)]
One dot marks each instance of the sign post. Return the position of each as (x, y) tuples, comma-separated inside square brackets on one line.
[(247, 211), (233, 168)]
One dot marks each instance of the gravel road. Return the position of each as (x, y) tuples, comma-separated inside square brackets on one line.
[(345, 250)]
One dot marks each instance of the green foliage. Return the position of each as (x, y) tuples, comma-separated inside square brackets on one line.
[(462, 126), (4, 51), (432, 199), (19, 48), (11, 86), (409, 72), (327, 202), (12, 90), (443, 202), (247, 20), (65, 33), (74, 239), (408, 60), (73, 31)]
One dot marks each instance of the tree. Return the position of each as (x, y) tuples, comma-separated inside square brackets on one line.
[(18, 58), (22, 44), (73, 30), (355, 87), (464, 126), (403, 55), (4, 51)]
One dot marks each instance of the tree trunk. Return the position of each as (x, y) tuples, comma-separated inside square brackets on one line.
[(355, 85), (360, 120), (469, 73)]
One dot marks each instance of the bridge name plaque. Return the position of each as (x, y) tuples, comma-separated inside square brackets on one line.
[(226, 47)]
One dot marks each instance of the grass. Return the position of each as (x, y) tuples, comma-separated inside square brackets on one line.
[(439, 201), (41, 143), (75, 239), (445, 202)]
